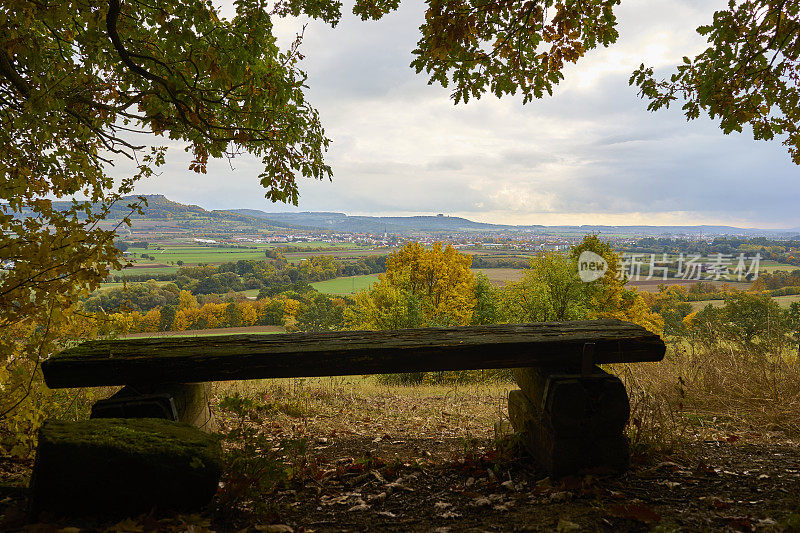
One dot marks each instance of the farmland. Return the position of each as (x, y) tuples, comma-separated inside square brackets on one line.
[(501, 276), (652, 285), (773, 266), (163, 258), (783, 301), (346, 285), (197, 254)]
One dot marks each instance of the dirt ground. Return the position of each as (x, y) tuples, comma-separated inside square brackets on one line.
[(714, 486), (395, 460)]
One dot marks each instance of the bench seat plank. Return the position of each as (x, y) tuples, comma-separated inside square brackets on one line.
[(233, 357)]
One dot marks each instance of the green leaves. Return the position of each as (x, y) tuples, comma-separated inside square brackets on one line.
[(747, 76), (505, 47), (374, 9)]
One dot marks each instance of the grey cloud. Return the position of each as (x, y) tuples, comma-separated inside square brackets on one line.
[(446, 163), (400, 146)]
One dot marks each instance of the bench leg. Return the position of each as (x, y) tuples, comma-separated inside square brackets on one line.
[(180, 402), (571, 422)]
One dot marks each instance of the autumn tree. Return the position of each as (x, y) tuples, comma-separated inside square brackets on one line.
[(321, 313), (487, 301), (551, 289), (421, 287), (670, 302), (79, 80)]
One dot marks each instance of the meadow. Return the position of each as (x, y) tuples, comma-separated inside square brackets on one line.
[(783, 301), (772, 266), (196, 254), (166, 259), (501, 276), (346, 285)]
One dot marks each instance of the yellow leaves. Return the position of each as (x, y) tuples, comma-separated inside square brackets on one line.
[(758, 286), (249, 314), (151, 320), (186, 300), (421, 287), (23, 345), (290, 308), (183, 317)]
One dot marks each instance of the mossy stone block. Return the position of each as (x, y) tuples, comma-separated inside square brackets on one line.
[(122, 467)]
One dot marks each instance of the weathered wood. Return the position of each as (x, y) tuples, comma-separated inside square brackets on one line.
[(123, 467), (564, 455), (563, 398), (231, 357), (576, 403), (180, 402)]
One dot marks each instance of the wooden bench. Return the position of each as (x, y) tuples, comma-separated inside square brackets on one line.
[(569, 413)]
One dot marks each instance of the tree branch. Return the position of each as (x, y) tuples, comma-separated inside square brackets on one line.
[(11, 74)]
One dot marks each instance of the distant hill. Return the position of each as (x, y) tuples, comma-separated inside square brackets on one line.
[(434, 224), (161, 208), (365, 224)]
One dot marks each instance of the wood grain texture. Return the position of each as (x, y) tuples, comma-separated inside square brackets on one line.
[(233, 357)]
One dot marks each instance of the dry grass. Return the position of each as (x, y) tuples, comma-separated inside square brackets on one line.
[(362, 406), (690, 395), (501, 276), (686, 397)]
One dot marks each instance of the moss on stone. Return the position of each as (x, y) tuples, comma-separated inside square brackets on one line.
[(117, 466)]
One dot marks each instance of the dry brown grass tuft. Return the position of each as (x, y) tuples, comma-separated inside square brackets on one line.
[(691, 391)]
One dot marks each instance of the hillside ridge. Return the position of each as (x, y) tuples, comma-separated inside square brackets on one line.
[(160, 207)]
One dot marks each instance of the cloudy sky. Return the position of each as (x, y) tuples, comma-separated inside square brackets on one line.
[(591, 154)]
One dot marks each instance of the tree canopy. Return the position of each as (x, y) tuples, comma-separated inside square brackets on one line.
[(422, 287), (84, 84)]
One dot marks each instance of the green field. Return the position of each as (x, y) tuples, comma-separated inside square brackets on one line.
[(145, 270), (192, 254), (783, 301), (196, 254), (346, 285)]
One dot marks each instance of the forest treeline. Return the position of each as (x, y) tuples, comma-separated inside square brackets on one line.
[(419, 287), (782, 251), (272, 275)]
